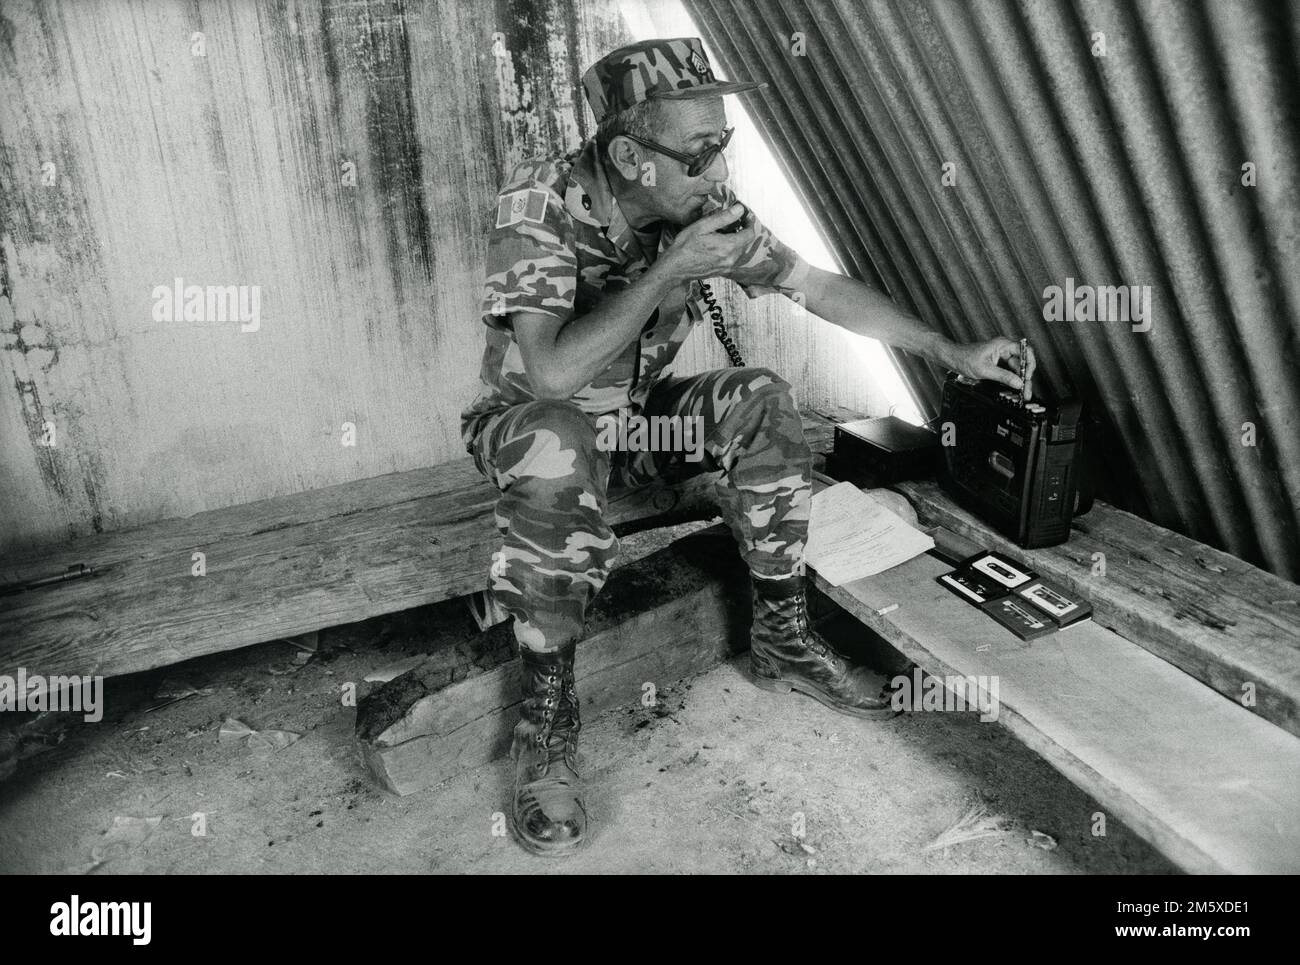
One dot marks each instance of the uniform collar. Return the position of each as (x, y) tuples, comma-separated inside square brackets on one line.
[(590, 200)]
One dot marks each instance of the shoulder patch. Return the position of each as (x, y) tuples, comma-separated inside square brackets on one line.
[(526, 204)]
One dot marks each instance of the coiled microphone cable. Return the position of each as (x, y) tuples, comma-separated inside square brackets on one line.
[(720, 325)]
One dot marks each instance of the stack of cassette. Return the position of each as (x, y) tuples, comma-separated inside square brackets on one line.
[(1017, 598)]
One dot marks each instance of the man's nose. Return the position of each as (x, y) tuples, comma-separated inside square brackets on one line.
[(719, 164)]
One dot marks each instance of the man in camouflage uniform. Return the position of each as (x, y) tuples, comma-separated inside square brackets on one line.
[(595, 270)]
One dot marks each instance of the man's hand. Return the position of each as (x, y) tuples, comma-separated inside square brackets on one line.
[(701, 251), (983, 360)]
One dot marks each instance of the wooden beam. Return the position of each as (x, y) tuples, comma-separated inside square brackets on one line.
[(276, 568), (280, 567), (670, 615), (1229, 624), (1209, 784)]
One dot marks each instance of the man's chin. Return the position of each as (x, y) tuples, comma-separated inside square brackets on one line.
[(693, 211)]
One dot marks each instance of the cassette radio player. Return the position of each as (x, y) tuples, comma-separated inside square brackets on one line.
[(1019, 466)]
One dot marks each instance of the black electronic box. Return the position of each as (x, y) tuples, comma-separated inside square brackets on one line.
[(888, 449), (1017, 465)]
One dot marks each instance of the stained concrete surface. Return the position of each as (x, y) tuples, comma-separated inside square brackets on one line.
[(717, 777)]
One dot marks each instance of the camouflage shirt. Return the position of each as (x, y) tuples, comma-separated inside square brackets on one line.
[(558, 246)]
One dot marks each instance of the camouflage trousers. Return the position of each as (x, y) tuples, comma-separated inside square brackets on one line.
[(554, 464)]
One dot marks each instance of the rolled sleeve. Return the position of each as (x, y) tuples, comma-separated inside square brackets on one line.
[(769, 266)]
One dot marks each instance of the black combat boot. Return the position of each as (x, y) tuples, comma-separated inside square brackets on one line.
[(548, 816), (786, 654)]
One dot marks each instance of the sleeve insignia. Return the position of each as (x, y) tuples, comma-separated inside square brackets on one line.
[(526, 204)]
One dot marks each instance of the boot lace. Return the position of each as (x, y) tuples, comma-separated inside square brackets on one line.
[(558, 735), (811, 640)]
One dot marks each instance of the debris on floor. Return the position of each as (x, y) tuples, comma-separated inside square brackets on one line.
[(975, 824), (125, 835), (1040, 840), (234, 730)]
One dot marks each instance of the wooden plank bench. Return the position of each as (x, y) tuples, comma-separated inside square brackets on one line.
[(279, 567), (1227, 623), (1211, 785), (1136, 714)]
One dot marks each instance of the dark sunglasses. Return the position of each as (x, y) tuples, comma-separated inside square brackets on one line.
[(696, 164)]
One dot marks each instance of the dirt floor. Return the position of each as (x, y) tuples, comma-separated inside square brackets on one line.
[(720, 777)]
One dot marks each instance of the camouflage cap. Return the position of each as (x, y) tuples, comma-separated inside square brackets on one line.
[(671, 69)]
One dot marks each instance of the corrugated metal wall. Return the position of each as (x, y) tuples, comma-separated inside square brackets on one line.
[(1107, 142)]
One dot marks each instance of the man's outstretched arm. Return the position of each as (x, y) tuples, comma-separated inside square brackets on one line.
[(862, 309)]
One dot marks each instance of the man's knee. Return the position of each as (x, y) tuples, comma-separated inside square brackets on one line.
[(553, 441), (768, 409), (757, 384), (570, 424), (761, 375), (759, 387), (749, 379)]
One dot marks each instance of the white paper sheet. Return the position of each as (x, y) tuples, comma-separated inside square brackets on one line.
[(851, 536)]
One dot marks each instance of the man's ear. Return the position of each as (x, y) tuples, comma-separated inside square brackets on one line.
[(625, 156)]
